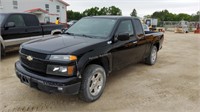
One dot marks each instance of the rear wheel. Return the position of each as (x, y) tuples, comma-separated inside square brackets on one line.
[(152, 58), (93, 83)]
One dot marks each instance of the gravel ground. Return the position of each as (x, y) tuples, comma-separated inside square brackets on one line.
[(172, 84)]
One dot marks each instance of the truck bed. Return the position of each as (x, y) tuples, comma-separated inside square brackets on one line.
[(47, 28), (153, 33)]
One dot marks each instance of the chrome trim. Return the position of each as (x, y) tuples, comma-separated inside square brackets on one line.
[(135, 42), (56, 31), (18, 41), (2, 41)]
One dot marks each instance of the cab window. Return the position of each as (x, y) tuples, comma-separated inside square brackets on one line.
[(17, 19), (138, 27), (31, 20), (125, 27)]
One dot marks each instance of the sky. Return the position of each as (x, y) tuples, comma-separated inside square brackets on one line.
[(143, 7)]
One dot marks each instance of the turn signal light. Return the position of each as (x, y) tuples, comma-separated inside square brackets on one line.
[(72, 58), (70, 70)]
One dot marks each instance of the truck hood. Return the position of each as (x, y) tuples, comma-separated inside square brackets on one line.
[(63, 44)]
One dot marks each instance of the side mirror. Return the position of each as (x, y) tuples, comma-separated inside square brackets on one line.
[(10, 25), (123, 36), (64, 30)]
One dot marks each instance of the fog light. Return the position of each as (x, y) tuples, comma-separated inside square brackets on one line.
[(60, 88)]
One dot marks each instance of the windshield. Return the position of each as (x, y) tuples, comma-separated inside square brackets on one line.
[(1, 18), (93, 27)]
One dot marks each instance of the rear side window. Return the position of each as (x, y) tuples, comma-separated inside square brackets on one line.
[(31, 20), (138, 27), (17, 19), (125, 27)]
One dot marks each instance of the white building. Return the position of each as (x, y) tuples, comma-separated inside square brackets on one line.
[(46, 10)]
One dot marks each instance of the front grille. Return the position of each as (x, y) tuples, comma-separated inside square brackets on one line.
[(38, 63), (33, 54)]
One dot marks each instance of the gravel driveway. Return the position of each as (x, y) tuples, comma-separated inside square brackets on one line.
[(172, 84)]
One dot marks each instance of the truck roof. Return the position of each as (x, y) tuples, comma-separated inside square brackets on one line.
[(15, 13), (113, 17)]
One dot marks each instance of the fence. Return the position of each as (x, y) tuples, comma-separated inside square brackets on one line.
[(170, 25)]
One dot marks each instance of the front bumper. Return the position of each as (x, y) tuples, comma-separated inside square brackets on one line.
[(49, 84)]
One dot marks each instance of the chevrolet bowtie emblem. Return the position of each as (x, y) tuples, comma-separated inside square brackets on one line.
[(29, 58)]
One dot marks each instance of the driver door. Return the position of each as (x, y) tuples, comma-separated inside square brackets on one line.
[(14, 35), (124, 52)]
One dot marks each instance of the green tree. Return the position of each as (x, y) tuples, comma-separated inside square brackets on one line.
[(183, 16), (74, 15), (162, 15), (147, 16), (114, 11), (196, 17), (94, 11), (165, 15), (103, 11), (134, 13)]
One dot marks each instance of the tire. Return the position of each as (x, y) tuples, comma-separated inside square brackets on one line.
[(93, 83), (152, 58)]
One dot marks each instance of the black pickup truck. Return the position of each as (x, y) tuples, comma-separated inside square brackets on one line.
[(79, 61), (17, 28)]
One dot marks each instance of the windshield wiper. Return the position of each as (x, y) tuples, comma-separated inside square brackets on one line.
[(70, 33), (79, 35), (86, 36)]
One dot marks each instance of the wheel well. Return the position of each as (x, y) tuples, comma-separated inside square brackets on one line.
[(55, 33), (157, 46), (104, 62)]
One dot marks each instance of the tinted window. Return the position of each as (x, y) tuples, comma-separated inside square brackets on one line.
[(97, 27), (125, 27), (58, 8), (15, 4), (1, 18), (47, 7), (17, 19), (31, 20), (138, 27)]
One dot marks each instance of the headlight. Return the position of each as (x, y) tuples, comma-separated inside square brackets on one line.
[(63, 58), (60, 70)]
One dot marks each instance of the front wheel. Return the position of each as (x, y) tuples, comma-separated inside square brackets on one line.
[(93, 83), (152, 58)]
